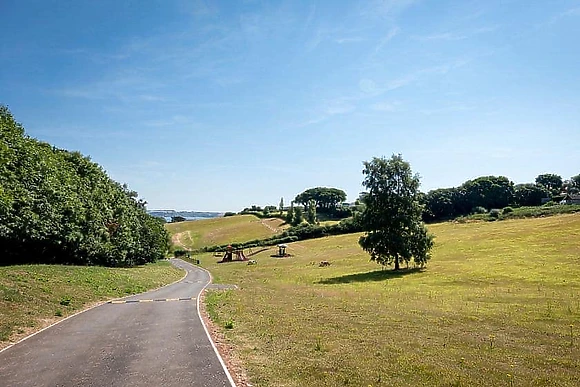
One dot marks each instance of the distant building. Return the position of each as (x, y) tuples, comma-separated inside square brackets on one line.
[(571, 199)]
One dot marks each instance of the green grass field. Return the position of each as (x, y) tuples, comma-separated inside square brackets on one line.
[(196, 234), (32, 296), (499, 305)]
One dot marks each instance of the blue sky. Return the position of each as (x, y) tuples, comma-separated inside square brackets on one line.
[(209, 105)]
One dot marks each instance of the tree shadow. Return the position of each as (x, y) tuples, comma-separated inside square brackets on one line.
[(376, 275)]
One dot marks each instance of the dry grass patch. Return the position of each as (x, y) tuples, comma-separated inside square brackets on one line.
[(196, 234), (499, 305)]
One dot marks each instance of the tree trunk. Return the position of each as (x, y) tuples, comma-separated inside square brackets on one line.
[(397, 267)]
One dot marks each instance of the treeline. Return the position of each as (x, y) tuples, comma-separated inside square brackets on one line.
[(495, 192), (57, 206)]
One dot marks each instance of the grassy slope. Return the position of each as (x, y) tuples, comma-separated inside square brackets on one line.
[(206, 232), (31, 296), (494, 307)]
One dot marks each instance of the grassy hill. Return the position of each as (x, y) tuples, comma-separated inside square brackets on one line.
[(33, 296), (499, 305), (196, 234)]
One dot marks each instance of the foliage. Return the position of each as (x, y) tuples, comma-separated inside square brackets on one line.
[(529, 194), (229, 214), (479, 210), (298, 216), (57, 206), (311, 212), (550, 181), (507, 210), (281, 205), (326, 199), (290, 214), (176, 219), (392, 218)]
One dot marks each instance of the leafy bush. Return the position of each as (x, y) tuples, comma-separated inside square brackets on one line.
[(551, 204), (494, 213), (479, 210), (507, 210), (58, 206), (229, 214)]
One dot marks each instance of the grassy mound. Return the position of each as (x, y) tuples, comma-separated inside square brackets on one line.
[(498, 306), (33, 296), (196, 234)]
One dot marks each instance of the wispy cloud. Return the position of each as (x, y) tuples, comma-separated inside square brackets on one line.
[(570, 12), (386, 8), (390, 35), (441, 36), (349, 40), (386, 106), (329, 109), (451, 36)]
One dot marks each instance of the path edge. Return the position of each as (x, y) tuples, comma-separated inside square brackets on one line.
[(101, 303), (221, 360)]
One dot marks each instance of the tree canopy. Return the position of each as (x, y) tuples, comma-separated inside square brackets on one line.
[(326, 199), (551, 182), (394, 232), (58, 206)]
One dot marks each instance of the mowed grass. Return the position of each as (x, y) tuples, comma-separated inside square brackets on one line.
[(31, 296), (196, 234), (499, 305)]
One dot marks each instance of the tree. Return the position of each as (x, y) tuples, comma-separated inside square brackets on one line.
[(572, 185), (529, 194), (486, 191), (326, 199), (290, 214), (281, 205), (311, 212), (298, 216), (394, 232), (550, 181)]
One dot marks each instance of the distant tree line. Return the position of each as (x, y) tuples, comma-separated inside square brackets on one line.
[(58, 206), (494, 192)]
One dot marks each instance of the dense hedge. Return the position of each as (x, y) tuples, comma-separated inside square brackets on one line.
[(57, 206)]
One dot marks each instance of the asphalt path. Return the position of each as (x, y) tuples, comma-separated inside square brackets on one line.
[(152, 339)]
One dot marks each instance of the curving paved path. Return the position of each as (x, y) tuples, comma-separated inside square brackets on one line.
[(138, 342)]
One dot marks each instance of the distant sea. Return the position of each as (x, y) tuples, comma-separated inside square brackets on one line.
[(168, 218)]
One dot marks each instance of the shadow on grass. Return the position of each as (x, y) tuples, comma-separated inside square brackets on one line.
[(376, 275)]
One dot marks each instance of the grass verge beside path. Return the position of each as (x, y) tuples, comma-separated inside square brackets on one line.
[(498, 306), (34, 296)]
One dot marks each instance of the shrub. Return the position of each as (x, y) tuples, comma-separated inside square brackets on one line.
[(551, 204), (494, 213), (479, 210), (507, 210), (180, 253), (229, 214)]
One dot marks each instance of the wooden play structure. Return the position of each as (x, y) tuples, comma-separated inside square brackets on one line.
[(229, 255)]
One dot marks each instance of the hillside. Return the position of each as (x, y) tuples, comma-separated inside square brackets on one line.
[(497, 306), (196, 234)]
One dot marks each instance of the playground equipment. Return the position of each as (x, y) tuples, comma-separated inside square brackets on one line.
[(281, 252), (229, 255)]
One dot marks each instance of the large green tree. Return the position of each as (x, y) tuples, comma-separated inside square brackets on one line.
[(326, 199), (394, 232)]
